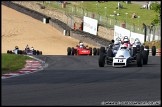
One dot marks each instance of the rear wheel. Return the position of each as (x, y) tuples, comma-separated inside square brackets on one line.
[(94, 51), (139, 60), (68, 51), (37, 52), (101, 60), (102, 50), (153, 50), (147, 47), (145, 57), (72, 51), (90, 51)]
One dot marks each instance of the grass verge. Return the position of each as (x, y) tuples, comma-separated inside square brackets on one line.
[(12, 62)]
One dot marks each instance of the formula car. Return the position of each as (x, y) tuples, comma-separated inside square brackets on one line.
[(82, 51), (122, 58), (26, 52), (138, 44)]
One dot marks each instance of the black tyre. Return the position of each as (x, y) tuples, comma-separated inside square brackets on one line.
[(153, 50), (110, 53), (102, 50), (72, 51), (8, 51), (145, 57), (37, 52), (101, 60), (94, 51), (34, 52), (98, 51), (68, 51), (139, 60), (142, 48), (90, 51), (147, 47), (20, 51), (138, 48)]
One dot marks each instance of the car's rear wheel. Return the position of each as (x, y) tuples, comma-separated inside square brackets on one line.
[(139, 60), (102, 50), (68, 51), (153, 50), (101, 60), (90, 51), (72, 51), (145, 57), (94, 51), (147, 47)]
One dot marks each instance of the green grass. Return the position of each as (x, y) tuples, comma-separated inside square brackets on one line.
[(146, 16), (12, 62)]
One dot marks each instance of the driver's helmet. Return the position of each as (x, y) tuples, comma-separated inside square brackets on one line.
[(16, 47), (116, 43), (126, 40)]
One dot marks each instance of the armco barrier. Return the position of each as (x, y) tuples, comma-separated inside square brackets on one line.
[(27, 11), (61, 26)]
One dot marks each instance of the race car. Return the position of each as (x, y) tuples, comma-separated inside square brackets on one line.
[(26, 52), (82, 51), (138, 44), (122, 58)]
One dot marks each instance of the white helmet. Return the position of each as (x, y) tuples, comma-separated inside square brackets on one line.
[(116, 42), (126, 40)]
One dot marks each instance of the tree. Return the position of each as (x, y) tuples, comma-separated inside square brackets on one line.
[(157, 8)]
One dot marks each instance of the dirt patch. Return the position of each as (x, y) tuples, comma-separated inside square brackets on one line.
[(20, 29)]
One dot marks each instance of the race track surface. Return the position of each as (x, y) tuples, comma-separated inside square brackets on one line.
[(77, 80)]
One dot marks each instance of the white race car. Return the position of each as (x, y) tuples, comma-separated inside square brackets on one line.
[(123, 57)]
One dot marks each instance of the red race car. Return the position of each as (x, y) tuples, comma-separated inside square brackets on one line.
[(82, 51)]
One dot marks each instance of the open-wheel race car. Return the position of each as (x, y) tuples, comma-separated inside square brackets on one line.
[(125, 55), (27, 51), (82, 50)]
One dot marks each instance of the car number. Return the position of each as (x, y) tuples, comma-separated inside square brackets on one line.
[(120, 60)]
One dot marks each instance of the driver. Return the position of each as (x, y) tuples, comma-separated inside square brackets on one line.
[(81, 44), (127, 42)]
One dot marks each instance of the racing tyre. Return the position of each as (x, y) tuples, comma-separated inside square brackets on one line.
[(90, 51), (68, 51), (94, 51), (138, 48), (72, 51), (153, 50), (139, 60), (101, 60), (145, 57), (98, 51), (8, 51), (147, 47), (102, 50), (37, 52), (142, 48), (34, 52)]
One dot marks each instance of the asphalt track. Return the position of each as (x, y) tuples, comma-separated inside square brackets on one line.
[(77, 80)]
